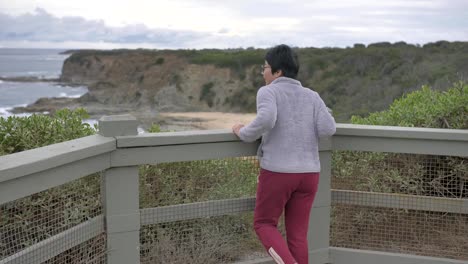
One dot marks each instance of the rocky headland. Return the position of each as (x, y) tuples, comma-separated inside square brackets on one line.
[(352, 81), (146, 83)]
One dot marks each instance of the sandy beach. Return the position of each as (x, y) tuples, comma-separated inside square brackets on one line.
[(206, 120)]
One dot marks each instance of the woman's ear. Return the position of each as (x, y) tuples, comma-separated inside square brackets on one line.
[(278, 73)]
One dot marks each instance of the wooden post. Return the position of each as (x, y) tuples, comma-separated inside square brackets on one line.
[(120, 197), (319, 223)]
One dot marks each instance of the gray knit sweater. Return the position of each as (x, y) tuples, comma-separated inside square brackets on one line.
[(290, 119)]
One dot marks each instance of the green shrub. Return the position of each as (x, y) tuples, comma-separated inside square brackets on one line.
[(58, 208), (177, 81), (425, 108), (23, 133), (237, 60), (243, 99), (195, 181), (411, 174), (206, 240), (423, 175), (62, 207), (159, 61), (207, 94)]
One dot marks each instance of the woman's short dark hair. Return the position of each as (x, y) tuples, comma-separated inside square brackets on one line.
[(283, 58)]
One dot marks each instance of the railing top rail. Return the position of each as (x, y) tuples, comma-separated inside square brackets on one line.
[(40, 159), (402, 132), (36, 160), (226, 135), (177, 138)]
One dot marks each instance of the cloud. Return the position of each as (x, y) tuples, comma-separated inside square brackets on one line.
[(42, 26), (240, 23)]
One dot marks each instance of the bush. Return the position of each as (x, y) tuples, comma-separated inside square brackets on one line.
[(159, 61), (56, 209), (237, 60), (23, 133), (425, 108), (60, 208), (413, 174), (207, 94), (423, 175), (207, 240)]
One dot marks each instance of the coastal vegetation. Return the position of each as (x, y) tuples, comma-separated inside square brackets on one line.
[(23, 133), (422, 108), (356, 80), (407, 174), (63, 207), (440, 104)]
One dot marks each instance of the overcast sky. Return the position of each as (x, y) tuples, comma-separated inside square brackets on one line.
[(228, 24)]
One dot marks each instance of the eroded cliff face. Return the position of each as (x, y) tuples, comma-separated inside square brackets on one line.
[(351, 81), (163, 82)]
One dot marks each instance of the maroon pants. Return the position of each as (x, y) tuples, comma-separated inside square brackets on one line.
[(294, 193)]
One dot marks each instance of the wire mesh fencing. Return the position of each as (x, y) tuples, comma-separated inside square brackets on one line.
[(401, 203), (51, 226), (201, 211), (92, 251), (222, 239)]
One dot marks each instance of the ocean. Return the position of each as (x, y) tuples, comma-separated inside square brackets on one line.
[(41, 63)]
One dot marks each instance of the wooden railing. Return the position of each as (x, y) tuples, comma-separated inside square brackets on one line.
[(118, 151)]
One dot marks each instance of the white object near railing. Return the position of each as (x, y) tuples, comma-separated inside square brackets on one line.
[(118, 150)]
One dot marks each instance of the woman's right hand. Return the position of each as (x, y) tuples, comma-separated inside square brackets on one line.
[(236, 129)]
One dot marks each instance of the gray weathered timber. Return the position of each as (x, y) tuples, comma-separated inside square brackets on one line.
[(59, 243), (177, 138), (401, 201), (32, 171), (319, 256), (32, 161), (40, 181), (322, 197), (120, 194), (257, 261), (354, 256), (319, 221), (118, 125), (315, 257), (174, 153), (402, 132), (401, 145), (319, 229), (190, 137), (172, 213), (121, 206)]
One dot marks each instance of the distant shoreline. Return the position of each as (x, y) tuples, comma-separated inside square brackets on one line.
[(28, 79)]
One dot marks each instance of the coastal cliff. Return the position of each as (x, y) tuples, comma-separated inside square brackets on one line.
[(164, 81), (352, 81)]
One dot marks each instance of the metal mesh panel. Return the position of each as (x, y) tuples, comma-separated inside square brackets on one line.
[(427, 175), (196, 181), (400, 203), (221, 239), (43, 217), (200, 217), (92, 251)]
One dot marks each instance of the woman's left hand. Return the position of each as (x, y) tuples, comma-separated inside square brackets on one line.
[(236, 129)]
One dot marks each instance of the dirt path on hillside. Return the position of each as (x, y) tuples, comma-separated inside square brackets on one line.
[(204, 120)]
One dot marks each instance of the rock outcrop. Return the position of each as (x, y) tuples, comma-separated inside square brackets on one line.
[(351, 81), (162, 81)]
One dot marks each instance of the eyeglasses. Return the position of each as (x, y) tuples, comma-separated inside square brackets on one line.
[(265, 67)]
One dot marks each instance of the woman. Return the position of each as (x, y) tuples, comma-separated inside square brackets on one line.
[(290, 119)]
